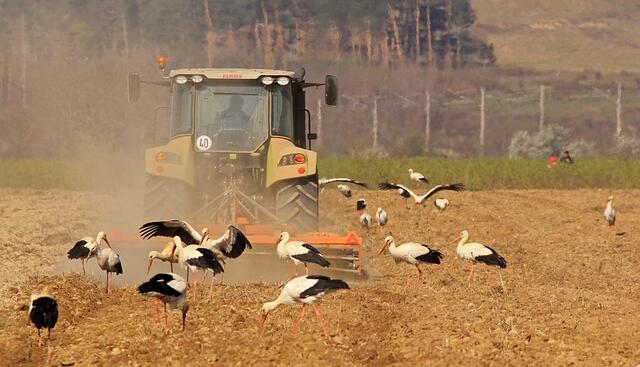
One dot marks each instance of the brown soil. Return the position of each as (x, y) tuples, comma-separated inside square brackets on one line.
[(571, 292)]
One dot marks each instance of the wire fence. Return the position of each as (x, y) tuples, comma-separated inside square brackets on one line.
[(475, 121)]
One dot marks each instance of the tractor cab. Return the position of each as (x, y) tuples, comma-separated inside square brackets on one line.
[(235, 133)]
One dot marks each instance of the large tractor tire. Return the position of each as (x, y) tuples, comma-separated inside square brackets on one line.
[(297, 203), (166, 198)]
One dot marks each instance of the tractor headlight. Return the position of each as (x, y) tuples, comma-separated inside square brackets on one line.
[(283, 80), (197, 78), (266, 80), (181, 79)]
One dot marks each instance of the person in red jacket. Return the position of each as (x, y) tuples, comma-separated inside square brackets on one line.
[(553, 160)]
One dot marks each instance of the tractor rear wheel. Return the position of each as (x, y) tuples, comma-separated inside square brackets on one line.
[(297, 203), (166, 198)]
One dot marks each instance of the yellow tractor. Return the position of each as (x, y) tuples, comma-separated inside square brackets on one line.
[(238, 150)]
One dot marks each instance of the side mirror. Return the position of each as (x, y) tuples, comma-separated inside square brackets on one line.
[(134, 87), (331, 90)]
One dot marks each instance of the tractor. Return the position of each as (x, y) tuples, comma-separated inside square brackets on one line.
[(238, 150)]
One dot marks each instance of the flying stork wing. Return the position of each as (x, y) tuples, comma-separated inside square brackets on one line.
[(451, 187), (171, 228), (235, 244), (392, 186), (326, 181)]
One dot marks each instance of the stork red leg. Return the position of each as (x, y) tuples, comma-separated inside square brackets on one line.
[(222, 279), (166, 318), (171, 264), (320, 319), (195, 285), (107, 289), (83, 271), (49, 350), (470, 273), (296, 326), (157, 303), (204, 276), (413, 279), (39, 339), (213, 278)]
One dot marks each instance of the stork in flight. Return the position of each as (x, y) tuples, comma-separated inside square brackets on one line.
[(325, 181), (420, 199)]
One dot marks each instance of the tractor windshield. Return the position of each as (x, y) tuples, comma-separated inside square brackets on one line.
[(231, 116)]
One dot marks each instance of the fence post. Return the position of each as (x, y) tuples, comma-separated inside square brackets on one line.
[(427, 120), (619, 111), (482, 121), (541, 121), (375, 122), (319, 116)]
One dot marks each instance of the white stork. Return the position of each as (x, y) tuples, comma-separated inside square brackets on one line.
[(345, 190), (477, 252), (170, 289), (610, 213), (43, 313), (365, 221), (361, 204), (167, 254), (417, 177), (441, 204), (381, 217), (420, 199), (84, 248), (108, 260), (411, 253), (196, 258), (305, 290), (299, 252)]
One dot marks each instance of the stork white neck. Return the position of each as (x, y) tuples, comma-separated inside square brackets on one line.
[(284, 238), (464, 237)]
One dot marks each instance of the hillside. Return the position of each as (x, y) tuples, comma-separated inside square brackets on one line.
[(562, 34)]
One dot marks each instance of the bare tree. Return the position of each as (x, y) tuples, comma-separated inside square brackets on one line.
[(211, 37)]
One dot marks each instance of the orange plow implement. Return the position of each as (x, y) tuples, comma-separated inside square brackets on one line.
[(344, 252)]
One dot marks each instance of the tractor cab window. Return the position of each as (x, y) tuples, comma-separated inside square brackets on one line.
[(232, 116), (282, 111), (181, 109)]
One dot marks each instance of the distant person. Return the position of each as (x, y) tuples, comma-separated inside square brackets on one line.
[(234, 118), (566, 157), (553, 160)]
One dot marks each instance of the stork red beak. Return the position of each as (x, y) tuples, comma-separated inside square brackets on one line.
[(263, 319), (384, 246), (107, 241), (149, 266), (173, 251), (457, 239), (184, 320)]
